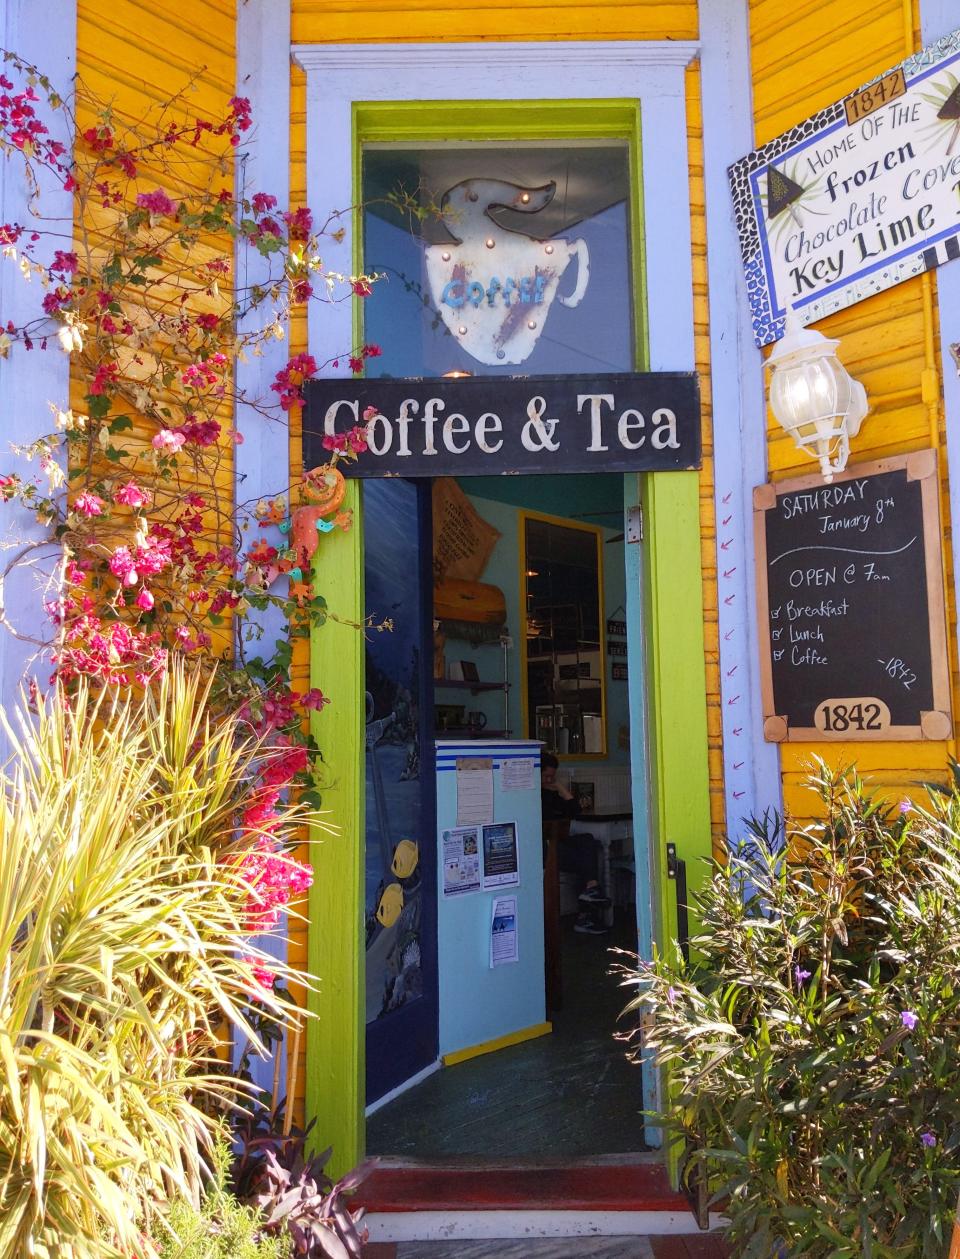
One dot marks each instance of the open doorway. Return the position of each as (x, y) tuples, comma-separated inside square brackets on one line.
[(531, 664)]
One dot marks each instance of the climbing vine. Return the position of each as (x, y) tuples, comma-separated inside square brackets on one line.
[(133, 481)]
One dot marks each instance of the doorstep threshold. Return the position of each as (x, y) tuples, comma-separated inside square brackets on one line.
[(520, 1162), (563, 1187), (426, 1226)]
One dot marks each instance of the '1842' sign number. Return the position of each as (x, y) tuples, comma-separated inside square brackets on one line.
[(861, 715)]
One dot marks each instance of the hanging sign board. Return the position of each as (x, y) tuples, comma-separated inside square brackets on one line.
[(478, 426), (850, 602), (858, 198)]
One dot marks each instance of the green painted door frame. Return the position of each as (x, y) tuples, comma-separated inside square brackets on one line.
[(675, 681)]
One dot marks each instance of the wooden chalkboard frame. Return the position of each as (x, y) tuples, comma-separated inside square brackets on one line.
[(935, 724)]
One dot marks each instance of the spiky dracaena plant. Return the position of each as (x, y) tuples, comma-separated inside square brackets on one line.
[(812, 1046), (132, 845)]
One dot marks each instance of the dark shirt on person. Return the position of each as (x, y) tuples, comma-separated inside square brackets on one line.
[(554, 808)]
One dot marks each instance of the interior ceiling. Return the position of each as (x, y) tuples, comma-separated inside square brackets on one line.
[(589, 178)]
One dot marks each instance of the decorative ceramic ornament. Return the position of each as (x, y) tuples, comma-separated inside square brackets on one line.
[(494, 287)]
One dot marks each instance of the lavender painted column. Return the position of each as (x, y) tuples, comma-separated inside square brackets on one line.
[(751, 766), (44, 33), (262, 458)]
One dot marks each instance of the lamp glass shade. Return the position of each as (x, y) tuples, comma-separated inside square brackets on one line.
[(814, 398)]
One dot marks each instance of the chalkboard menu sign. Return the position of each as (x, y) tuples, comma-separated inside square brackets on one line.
[(850, 600)]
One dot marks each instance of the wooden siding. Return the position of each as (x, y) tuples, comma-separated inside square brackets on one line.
[(434, 21), (888, 342), (133, 57)]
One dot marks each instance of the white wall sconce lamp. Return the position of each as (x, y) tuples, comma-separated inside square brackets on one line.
[(814, 398)]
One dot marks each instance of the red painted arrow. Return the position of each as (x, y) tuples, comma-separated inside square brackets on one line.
[(735, 700), (727, 543), (728, 573), (726, 520), (729, 634), (729, 599), (738, 764), (738, 730), (731, 672), (727, 497), (738, 795)]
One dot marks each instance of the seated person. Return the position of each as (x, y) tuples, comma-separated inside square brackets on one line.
[(578, 853)]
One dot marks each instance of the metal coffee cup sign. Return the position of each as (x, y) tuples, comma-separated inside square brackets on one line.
[(482, 426), (858, 198)]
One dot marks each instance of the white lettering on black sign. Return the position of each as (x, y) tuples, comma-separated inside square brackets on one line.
[(479, 426)]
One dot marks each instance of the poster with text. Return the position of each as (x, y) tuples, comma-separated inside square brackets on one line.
[(461, 860), (501, 867), (858, 198)]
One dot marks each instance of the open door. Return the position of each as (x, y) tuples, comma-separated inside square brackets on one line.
[(400, 863)]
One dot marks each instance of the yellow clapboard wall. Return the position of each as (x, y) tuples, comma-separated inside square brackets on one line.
[(888, 342), (136, 55)]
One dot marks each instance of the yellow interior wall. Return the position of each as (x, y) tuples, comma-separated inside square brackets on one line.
[(889, 342)]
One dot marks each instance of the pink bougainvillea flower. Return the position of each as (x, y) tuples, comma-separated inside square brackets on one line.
[(131, 495), (145, 600), (262, 975), (105, 376), (289, 380), (199, 432), (283, 769), (157, 203), (299, 223), (315, 699), (88, 504), (274, 879), (168, 440), (262, 202), (123, 567), (64, 262)]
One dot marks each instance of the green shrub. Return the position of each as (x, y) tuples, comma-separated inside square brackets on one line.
[(125, 904), (813, 1045), (221, 1228)]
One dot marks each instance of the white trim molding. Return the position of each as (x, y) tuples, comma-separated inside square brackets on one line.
[(44, 33), (751, 766), (541, 65), (651, 72)]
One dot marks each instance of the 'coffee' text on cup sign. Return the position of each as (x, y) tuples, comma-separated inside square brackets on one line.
[(428, 432), (528, 289)]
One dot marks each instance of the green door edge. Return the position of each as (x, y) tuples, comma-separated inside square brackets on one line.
[(676, 678)]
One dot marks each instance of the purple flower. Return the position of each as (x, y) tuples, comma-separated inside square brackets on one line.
[(671, 995), (928, 1139), (906, 805), (908, 1019), (800, 975)]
